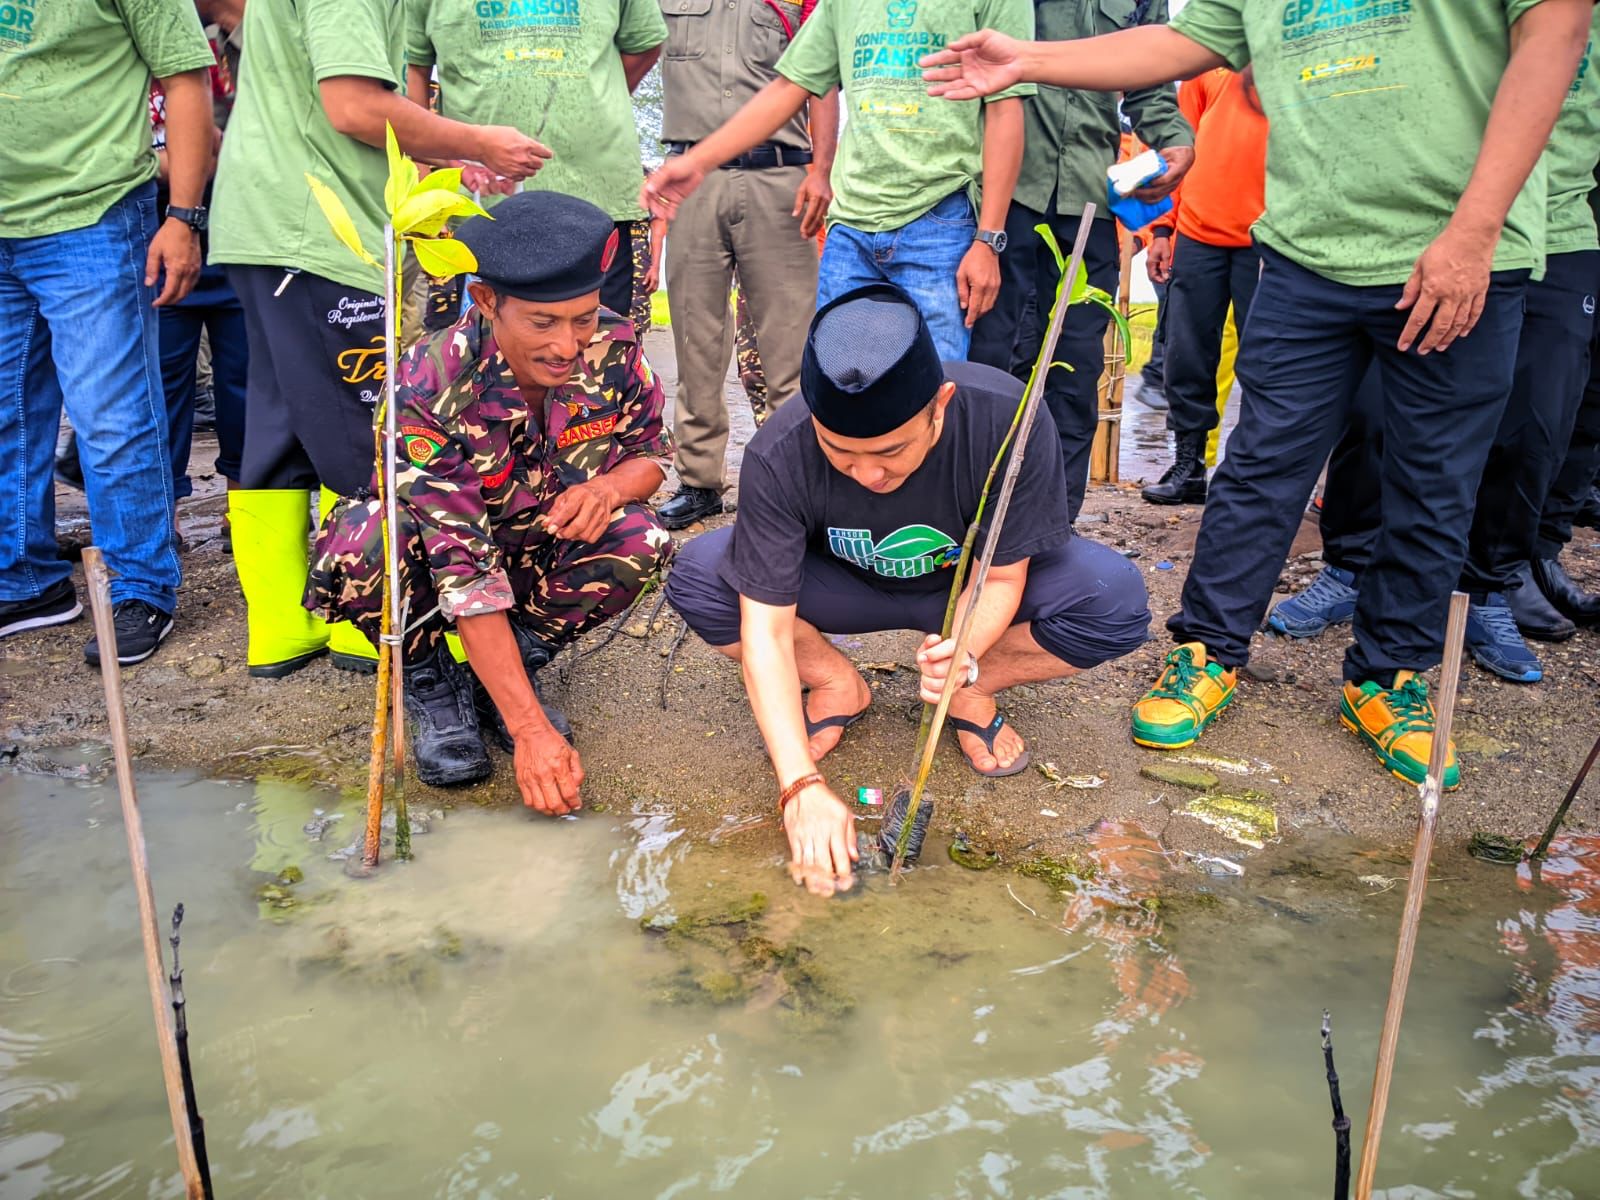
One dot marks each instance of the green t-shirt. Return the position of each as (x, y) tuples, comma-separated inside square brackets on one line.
[(264, 213), (901, 150), (553, 69), (75, 103), (1570, 159), (1376, 111)]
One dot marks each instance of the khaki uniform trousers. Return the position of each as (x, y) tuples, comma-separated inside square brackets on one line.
[(737, 220)]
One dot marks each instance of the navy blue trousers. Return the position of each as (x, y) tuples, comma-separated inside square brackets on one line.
[(1530, 445), (1086, 602), (1306, 345), (1008, 336)]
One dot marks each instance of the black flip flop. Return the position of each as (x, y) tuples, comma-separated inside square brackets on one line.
[(840, 721), (987, 733)]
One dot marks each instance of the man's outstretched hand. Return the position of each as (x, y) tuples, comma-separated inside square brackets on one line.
[(974, 66), (549, 772)]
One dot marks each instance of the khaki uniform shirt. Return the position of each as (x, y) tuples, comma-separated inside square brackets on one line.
[(720, 53)]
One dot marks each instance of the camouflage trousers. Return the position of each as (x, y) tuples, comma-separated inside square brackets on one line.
[(751, 376), (561, 588)]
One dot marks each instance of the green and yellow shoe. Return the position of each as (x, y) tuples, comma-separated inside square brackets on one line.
[(1397, 723), (1186, 699)]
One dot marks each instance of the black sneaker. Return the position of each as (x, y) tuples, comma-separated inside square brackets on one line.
[(140, 629), (688, 505), (56, 606)]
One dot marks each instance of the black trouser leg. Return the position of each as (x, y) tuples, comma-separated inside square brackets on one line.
[(1547, 389), (1154, 371), (616, 287), (1578, 470), (1012, 323), (1197, 303), (1352, 501)]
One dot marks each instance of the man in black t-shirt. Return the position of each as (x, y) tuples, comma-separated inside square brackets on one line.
[(853, 508)]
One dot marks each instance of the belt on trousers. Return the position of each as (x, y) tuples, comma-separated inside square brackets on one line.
[(757, 158)]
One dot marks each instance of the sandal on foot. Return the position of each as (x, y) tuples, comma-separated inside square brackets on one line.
[(839, 721), (987, 734)]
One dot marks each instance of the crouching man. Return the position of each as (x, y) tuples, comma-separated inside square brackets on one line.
[(530, 436), (853, 506)]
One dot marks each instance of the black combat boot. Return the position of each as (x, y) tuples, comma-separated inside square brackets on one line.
[(1185, 480), (1589, 510), (1557, 587), (445, 741), (688, 505), (536, 655), (1535, 615)]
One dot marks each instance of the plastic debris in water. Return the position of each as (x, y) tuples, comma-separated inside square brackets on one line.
[(1083, 782), (894, 820), (1211, 864), (866, 795)]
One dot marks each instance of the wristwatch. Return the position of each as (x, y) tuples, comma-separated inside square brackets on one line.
[(995, 239), (195, 218)]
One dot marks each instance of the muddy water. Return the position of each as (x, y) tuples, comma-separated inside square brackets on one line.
[(596, 1008)]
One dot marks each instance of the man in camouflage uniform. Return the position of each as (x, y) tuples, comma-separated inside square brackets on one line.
[(530, 437), (751, 374)]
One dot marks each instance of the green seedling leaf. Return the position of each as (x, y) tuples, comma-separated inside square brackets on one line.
[(402, 173), (338, 218), (443, 257), (1080, 285), (1103, 299)]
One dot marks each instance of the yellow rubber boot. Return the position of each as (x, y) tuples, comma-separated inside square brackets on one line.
[(349, 646), (271, 552)]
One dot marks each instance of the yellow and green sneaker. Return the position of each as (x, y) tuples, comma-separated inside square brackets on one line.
[(1186, 699), (1397, 723)]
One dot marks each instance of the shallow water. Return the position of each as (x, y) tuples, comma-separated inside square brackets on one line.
[(492, 1020)]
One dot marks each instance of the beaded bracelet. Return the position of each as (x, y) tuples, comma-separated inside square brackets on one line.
[(795, 788)]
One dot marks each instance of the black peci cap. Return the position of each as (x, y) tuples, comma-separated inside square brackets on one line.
[(542, 246), (870, 364)]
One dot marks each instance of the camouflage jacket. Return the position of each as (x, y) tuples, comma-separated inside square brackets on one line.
[(474, 471)]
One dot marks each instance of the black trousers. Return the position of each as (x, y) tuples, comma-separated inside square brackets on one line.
[(1205, 280), (314, 383), (1155, 370), (1004, 338), (1530, 444), (616, 288), (1578, 469), (1307, 344)]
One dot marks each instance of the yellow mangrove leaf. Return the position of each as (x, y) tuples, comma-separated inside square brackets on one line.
[(339, 218), (445, 179), (443, 257), (426, 212), (402, 173)]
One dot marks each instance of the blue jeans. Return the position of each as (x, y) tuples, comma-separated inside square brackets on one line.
[(211, 308), (77, 327), (921, 258)]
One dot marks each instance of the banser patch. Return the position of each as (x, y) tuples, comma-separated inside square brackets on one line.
[(421, 443), (585, 431)]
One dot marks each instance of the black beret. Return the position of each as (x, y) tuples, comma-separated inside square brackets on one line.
[(542, 246), (870, 364)]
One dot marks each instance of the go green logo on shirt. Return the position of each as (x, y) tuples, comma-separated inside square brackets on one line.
[(910, 552)]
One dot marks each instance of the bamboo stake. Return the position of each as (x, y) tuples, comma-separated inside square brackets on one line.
[(933, 726), (1416, 886), (1543, 847), (397, 608), (180, 1016), (94, 569)]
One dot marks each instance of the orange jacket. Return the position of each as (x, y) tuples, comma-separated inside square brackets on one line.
[(1225, 191)]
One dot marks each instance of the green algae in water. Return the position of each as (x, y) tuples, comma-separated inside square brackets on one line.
[(1495, 848), (1062, 874), (1179, 775), (1246, 817), (964, 854)]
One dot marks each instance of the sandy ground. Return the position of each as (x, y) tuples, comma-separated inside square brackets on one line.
[(680, 738)]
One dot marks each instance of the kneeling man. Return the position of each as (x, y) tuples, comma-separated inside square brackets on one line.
[(852, 510), (530, 436)]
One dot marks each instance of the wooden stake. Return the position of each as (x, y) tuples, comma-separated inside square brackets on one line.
[(1416, 886), (94, 569), (1008, 485), (1543, 847)]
